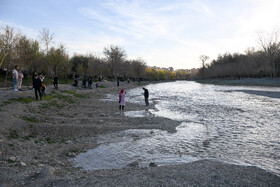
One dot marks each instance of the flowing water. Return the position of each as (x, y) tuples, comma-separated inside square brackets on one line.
[(234, 124)]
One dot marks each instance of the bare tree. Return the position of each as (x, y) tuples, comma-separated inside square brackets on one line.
[(271, 46), (115, 56), (46, 38), (8, 40), (203, 59)]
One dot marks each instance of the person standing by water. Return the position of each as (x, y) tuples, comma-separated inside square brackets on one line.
[(20, 77), (122, 100), (55, 82), (146, 95), (37, 85), (15, 78)]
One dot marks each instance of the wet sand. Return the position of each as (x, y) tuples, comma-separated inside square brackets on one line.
[(39, 138)]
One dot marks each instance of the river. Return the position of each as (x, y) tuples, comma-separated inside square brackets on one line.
[(234, 124)]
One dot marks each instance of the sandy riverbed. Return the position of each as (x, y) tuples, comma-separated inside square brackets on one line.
[(38, 139)]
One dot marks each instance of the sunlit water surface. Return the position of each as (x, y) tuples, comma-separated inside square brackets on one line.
[(238, 125)]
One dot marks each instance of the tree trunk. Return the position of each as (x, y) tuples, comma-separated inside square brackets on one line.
[(3, 60), (6, 77)]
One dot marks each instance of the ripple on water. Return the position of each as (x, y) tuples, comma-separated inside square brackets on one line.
[(229, 123), (140, 147)]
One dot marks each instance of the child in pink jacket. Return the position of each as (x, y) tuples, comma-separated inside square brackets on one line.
[(122, 99)]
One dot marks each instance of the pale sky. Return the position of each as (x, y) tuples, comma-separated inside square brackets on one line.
[(164, 33)]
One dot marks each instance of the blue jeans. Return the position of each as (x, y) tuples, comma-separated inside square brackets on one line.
[(15, 83)]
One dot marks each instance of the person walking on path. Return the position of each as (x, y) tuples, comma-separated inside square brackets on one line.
[(20, 77), (146, 95), (122, 100), (15, 78), (37, 85)]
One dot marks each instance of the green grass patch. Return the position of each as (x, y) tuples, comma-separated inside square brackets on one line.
[(68, 92), (11, 161), (30, 119), (13, 134), (65, 98), (48, 97), (51, 104), (50, 141), (74, 93), (39, 141), (63, 140), (20, 100), (26, 138), (25, 100), (32, 135), (101, 86)]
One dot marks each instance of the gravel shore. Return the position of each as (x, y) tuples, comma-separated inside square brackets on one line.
[(38, 139)]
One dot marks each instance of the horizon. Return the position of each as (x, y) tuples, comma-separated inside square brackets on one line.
[(163, 34)]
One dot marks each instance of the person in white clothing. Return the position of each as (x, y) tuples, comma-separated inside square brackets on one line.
[(15, 78), (20, 76)]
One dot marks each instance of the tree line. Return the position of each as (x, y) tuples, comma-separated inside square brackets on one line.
[(33, 55), (261, 63)]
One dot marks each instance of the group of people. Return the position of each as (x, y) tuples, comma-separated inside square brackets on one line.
[(89, 80), (122, 98), (17, 78), (84, 82), (38, 85), (37, 81)]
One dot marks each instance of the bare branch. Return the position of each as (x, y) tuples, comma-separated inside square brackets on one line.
[(46, 38)]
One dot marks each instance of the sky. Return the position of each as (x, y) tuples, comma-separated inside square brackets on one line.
[(163, 33)]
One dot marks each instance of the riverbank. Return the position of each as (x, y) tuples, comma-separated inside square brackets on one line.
[(39, 138), (273, 82)]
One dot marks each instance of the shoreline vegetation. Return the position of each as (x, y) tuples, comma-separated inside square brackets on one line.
[(269, 82), (39, 138)]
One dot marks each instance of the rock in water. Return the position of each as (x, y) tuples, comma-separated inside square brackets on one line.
[(134, 164), (152, 164)]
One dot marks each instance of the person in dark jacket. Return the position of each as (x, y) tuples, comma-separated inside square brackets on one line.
[(37, 85), (84, 83), (55, 82), (90, 82), (146, 95)]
